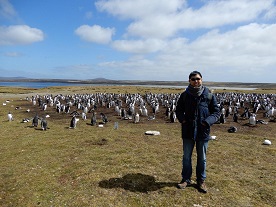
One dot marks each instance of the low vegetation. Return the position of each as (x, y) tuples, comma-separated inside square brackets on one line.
[(103, 166)]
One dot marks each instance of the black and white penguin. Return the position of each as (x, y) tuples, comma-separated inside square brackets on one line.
[(173, 117), (73, 122), (123, 113), (104, 118), (44, 124), (35, 121), (232, 129), (44, 106), (151, 117), (246, 114), (222, 118), (93, 119), (136, 118), (168, 112), (235, 117), (10, 117), (118, 110), (83, 115), (67, 109), (144, 111), (25, 120)]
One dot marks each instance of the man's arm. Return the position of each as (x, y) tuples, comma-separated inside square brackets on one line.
[(214, 112)]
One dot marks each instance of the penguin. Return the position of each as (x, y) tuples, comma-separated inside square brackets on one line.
[(223, 111), (85, 109), (34, 101), (10, 116), (104, 118), (222, 118), (153, 110), (67, 109), (58, 109), (136, 118), (35, 121), (173, 117), (168, 112), (151, 117), (25, 120), (252, 119), (73, 123), (123, 113), (118, 110), (144, 111), (44, 124), (44, 106), (246, 113), (235, 117), (83, 115), (232, 129), (227, 112), (93, 119), (271, 112)]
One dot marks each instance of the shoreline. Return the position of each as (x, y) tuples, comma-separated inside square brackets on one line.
[(102, 82)]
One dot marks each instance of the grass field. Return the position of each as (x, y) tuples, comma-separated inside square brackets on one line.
[(103, 166)]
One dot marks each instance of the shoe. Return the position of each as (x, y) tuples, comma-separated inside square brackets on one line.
[(183, 184), (202, 187)]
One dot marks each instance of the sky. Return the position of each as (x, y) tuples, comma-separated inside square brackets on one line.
[(161, 40)]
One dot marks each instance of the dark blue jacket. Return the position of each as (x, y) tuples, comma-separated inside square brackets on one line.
[(195, 111)]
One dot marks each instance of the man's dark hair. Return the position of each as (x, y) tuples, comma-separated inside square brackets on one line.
[(195, 72)]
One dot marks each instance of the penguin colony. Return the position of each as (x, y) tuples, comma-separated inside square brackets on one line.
[(136, 108)]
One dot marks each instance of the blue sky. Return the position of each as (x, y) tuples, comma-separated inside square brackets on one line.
[(227, 40)]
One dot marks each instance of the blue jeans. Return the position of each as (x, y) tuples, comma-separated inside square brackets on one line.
[(201, 149)]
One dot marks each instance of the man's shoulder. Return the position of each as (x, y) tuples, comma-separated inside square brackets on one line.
[(207, 90), (208, 94)]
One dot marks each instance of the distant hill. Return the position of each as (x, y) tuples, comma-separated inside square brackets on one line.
[(141, 82), (12, 78), (99, 79)]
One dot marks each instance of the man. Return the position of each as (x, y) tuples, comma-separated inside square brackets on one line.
[(196, 110)]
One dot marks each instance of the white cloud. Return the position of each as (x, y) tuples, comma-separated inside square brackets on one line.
[(6, 10), (139, 46), (247, 51), (163, 19), (158, 26), (95, 33), (219, 13), (244, 51), (19, 35), (152, 19), (254, 42), (88, 15), (139, 9), (13, 54), (271, 13), (132, 69)]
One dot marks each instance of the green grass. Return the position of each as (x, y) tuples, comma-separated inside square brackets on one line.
[(93, 166)]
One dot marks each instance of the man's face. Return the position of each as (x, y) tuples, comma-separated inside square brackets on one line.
[(195, 80)]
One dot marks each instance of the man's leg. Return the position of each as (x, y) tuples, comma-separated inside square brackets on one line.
[(188, 145), (201, 148)]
